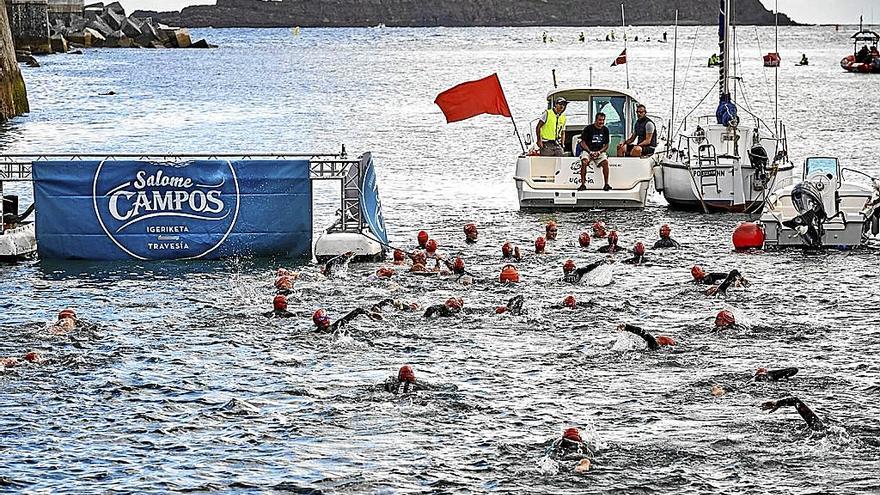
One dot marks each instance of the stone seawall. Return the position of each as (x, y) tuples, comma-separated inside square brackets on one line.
[(13, 95), (29, 22)]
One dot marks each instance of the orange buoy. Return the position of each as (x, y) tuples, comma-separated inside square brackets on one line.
[(509, 274), (748, 235)]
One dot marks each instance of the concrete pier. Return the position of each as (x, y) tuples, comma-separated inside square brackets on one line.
[(29, 21), (63, 9)]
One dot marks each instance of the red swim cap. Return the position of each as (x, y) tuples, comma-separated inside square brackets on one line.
[(406, 374), (540, 243), (724, 319), (665, 231), (761, 371), (698, 273), (639, 249), (321, 319), (599, 229), (458, 265), (66, 313), (431, 246), (569, 302), (454, 303), (507, 250), (470, 230), (509, 274), (612, 238), (500, 309), (385, 272), (584, 239), (551, 229), (32, 356), (282, 272), (572, 434), (283, 282), (422, 237), (398, 256), (279, 303), (664, 340), (568, 266)]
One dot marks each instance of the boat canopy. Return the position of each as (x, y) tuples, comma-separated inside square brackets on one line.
[(866, 36), (584, 94)]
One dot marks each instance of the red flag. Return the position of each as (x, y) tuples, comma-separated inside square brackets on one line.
[(473, 98), (621, 59)]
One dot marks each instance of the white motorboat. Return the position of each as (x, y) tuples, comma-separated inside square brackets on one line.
[(724, 163), (18, 239), (823, 210), (546, 182)]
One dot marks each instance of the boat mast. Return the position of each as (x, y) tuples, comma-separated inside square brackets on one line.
[(724, 45), (674, 66), (623, 21), (776, 71)]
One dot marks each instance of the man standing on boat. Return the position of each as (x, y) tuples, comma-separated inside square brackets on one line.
[(594, 142), (551, 129), (644, 135)]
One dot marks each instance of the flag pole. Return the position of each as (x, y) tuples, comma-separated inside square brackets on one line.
[(623, 20), (515, 128)]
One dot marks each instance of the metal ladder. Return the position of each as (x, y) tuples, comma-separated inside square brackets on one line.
[(708, 159)]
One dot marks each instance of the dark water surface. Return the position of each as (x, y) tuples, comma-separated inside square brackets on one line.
[(183, 386)]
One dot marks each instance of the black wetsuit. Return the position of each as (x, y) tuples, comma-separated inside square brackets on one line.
[(730, 279), (776, 375), (649, 339), (515, 305), (330, 267), (393, 385), (577, 305), (440, 310), (611, 248), (666, 242), (813, 421), (712, 278), (564, 449), (278, 313), (637, 259), (575, 276), (344, 320), (399, 305)]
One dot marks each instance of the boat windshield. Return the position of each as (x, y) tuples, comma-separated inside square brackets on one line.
[(820, 165), (614, 108)]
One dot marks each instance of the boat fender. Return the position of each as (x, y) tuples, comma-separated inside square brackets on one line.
[(875, 223)]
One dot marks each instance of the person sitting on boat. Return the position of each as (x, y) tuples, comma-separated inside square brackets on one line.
[(570, 447), (594, 141), (451, 307), (714, 60), (863, 55), (514, 306), (804, 60), (643, 140), (551, 129), (654, 343), (813, 421), (406, 380), (572, 274), (665, 240), (732, 278), (701, 277), (612, 246), (638, 255), (279, 308), (323, 324)]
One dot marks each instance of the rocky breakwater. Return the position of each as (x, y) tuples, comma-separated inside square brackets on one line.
[(108, 26), (13, 95)]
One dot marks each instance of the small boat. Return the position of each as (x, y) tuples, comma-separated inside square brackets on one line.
[(548, 182), (18, 239), (772, 60), (823, 210), (865, 59)]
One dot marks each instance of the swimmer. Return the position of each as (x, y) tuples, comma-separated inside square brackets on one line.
[(702, 277), (665, 241), (283, 285), (573, 275), (584, 240), (399, 257), (551, 230), (653, 343), (385, 272), (509, 251), (397, 303), (406, 379), (279, 308), (431, 248), (732, 278), (725, 320), (422, 238), (451, 307), (470, 233), (765, 375), (67, 322), (513, 306), (638, 255), (332, 267), (599, 231), (323, 324), (540, 244), (813, 421), (11, 362), (570, 447), (612, 246), (571, 303)]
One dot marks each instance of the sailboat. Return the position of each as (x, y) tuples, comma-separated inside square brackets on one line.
[(729, 161)]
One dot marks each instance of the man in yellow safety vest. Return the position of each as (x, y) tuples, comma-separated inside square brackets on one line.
[(551, 129)]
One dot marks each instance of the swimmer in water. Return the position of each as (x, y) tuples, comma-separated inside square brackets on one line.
[(509, 251), (584, 240), (813, 421), (665, 241), (470, 233), (551, 230), (725, 320), (654, 343), (701, 277), (405, 380), (451, 307), (514, 306), (323, 324), (332, 267), (732, 278), (67, 322), (422, 239), (540, 244), (599, 230), (396, 303), (571, 303), (572, 275), (765, 375), (11, 362), (570, 447), (612, 246), (279, 308), (283, 285), (638, 255)]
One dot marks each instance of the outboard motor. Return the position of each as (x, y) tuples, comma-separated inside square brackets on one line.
[(807, 200), (759, 160)]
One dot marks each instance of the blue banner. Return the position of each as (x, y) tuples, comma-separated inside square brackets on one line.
[(204, 209), (371, 205)]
